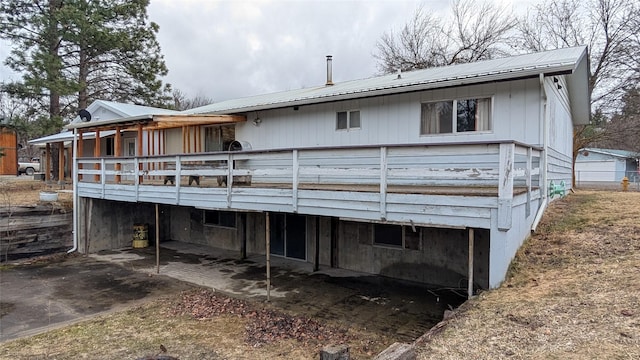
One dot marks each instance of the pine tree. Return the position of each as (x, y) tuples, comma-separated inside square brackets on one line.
[(71, 52)]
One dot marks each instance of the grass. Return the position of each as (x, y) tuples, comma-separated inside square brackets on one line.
[(139, 331), (573, 291)]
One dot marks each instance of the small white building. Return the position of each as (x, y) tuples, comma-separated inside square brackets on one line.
[(400, 175), (603, 166)]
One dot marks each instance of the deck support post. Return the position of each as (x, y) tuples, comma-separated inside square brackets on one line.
[(528, 180), (267, 237), (470, 267), (316, 257), (157, 240)]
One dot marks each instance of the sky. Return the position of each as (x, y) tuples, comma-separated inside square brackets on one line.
[(231, 49)]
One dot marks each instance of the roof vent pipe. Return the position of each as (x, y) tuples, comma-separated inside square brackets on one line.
[(329, 76)]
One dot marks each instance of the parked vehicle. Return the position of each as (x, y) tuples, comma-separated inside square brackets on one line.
[(30, 167)]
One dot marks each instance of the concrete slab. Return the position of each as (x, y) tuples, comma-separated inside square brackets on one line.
[(40, 296), (37, 297)]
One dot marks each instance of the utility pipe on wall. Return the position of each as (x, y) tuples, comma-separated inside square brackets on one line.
[(545, 138)]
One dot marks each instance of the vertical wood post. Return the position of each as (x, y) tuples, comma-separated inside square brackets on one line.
[(117, 151), (470, 274), (61, 163), (267, 237), (316, 262), (96, 154), (80, 153), (157, 240), (139, 153), (47, 163)]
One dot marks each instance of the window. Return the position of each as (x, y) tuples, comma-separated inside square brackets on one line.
[(218, 138), (397, 236), (456, 116), (388, 235), (110, 146), (346, 120), (219, 218)]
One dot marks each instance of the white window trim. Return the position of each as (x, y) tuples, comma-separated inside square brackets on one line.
[(454, 116), (349, 128)]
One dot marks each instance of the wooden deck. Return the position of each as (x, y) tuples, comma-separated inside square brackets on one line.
[(206, 182)]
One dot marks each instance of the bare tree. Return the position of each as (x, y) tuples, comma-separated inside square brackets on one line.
[(608, 27), (182, 102), (474, 31)]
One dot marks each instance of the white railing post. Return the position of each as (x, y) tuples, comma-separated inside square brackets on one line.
[(383, 183), (505, 186), (136, 172), (177, 178), (527, 175), (102, 176), (229, 178), (294, 183)]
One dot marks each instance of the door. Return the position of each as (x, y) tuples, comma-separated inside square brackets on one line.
[(288, 234)]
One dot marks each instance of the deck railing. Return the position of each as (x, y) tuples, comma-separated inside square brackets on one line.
[(498, 167)]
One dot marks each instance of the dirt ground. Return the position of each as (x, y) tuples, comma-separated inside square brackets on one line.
[(573, 291), (23, 190)]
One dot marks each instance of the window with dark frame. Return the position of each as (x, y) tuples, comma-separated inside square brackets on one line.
[(219, 218), (110, 148), (347, 120), (454, 116)]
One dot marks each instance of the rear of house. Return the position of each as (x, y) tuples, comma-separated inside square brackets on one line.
[(435, 176)]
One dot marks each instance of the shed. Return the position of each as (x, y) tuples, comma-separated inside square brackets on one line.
[(8, 150), (606, 165)]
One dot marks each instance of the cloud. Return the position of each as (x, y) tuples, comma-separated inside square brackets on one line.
[(225, 49)]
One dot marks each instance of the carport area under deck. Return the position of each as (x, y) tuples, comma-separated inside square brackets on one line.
[(404, 309)]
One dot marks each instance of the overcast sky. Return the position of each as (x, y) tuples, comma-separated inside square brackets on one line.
[(230, 49)]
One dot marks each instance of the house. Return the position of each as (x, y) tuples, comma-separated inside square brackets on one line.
[(8, 150), (63, 141), (603, 166), (435, 176)]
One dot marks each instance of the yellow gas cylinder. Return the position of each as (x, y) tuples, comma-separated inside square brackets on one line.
[(625, 183)]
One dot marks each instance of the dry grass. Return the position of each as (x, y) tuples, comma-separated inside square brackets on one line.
[(139, 331), (573, 291), (24, 191)]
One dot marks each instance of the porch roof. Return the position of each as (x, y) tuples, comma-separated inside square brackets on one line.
[(65, 137), (158, 121)]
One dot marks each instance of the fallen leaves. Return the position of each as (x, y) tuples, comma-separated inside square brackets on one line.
[(264, 325)]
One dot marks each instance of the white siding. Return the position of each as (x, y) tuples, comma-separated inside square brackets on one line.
[(395, 119)]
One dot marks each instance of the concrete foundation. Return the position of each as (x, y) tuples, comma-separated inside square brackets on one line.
[(434, 256)]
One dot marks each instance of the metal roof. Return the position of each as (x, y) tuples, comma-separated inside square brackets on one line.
[(67, 136), (571, 61), (124, 110), (614, 152)]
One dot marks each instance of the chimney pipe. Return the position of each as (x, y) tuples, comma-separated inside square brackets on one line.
[(329, 76)]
